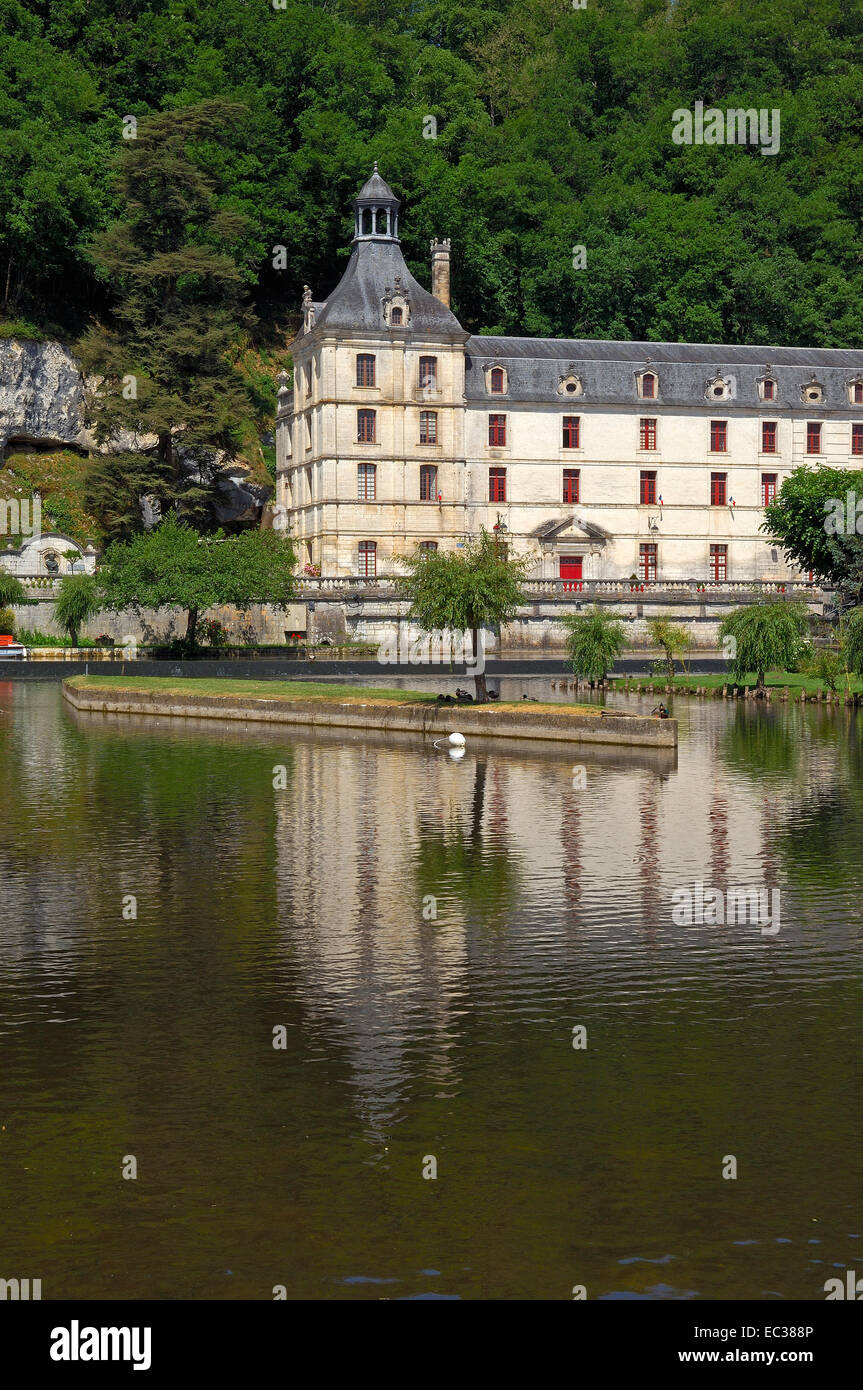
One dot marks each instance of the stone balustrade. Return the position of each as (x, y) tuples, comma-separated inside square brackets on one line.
[(348, 584)]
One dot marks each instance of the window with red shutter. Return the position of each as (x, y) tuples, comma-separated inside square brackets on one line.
[(571, 479), (497, 431), (718, 489), (718, 436), (647, 562), (497, 485), (768, 489), (571, 431), (647, 434), (647, 488)]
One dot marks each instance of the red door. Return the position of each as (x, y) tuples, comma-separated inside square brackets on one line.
[(570, 570)]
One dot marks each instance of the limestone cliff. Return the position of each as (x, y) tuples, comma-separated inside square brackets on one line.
[(41, 394), (42, 402)]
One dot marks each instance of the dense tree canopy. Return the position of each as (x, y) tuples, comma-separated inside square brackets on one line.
[(817, 518), (553, 130), (164, 369), (174, 566)]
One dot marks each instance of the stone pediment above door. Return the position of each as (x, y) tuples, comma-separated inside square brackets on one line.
[(571, 531)]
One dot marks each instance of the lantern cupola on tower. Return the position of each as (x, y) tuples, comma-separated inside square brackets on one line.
[(376, 211)]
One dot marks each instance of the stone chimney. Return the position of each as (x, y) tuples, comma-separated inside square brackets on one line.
[(440, 270)]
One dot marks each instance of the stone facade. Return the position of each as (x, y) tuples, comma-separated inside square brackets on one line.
[(600, 459), (48, 554)]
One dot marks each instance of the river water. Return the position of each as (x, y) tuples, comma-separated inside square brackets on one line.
[(420, 937)]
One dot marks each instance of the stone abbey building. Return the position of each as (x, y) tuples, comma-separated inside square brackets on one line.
[(602, 459)]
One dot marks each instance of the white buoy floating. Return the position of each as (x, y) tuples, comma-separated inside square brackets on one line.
[(454, 744)]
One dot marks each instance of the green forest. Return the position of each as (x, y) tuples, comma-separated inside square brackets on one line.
[(552, 129)]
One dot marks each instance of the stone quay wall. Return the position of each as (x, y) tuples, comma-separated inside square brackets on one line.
[(356, 611)]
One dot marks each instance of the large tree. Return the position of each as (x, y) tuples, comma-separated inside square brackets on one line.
[(173, 566), (815, 520), (166, 381), (476, 587)]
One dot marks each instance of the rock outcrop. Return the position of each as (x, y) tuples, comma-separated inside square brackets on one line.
[(42, 402), (41, 394)]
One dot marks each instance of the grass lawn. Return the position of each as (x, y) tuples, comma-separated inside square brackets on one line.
[(272, 689), (713, 680), (292, 690)]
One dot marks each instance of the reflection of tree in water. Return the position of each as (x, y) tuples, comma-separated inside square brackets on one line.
[(463, 863), (819, 843), (763, 742)]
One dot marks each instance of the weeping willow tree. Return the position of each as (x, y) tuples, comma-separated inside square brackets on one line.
[(765, 637), (595, 640), (77, 600), (464, 590), (11, 590)]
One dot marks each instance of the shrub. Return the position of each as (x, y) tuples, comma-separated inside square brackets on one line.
[(212, 633), (827, 666)]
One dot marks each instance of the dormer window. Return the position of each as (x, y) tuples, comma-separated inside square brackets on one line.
[(768, 389), (717, 388), (855, 391), (570, 385), (647, 384), (395, 306), (812, 392), (496, 380)]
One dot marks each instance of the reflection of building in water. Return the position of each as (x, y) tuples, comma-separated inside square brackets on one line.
[(350, 894), (366, 833)]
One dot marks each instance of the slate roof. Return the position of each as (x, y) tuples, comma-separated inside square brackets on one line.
[(376, 190), (608, 369), (355, 303)]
